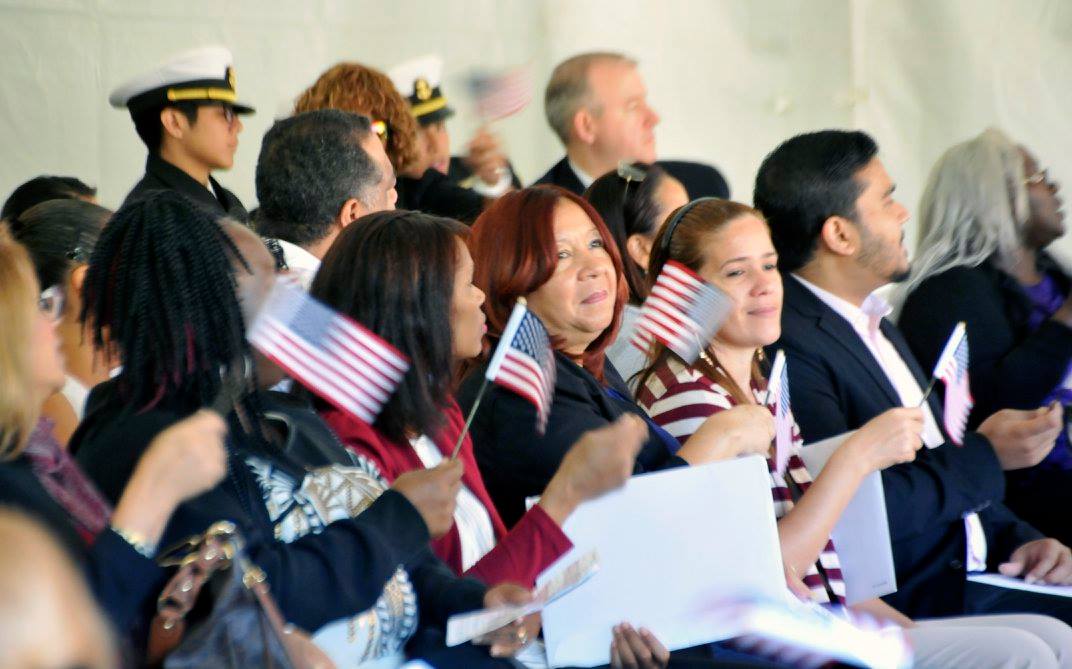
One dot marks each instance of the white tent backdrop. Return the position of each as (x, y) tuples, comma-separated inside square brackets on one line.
[(731, 78)]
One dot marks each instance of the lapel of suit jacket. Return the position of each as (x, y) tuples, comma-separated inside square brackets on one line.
[(567, 178), (839, 330)]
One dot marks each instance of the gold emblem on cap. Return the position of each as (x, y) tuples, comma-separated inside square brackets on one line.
[(422, 89), (231, 78)]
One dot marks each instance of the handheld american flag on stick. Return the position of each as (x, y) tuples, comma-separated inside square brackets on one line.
[(952, 369), (331, 355), (523, 362), (683, 311), (501, 94), (778, 389)]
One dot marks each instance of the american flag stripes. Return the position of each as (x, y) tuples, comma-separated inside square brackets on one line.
[(778, 390), (502, 94), (331, 355), (524, 362), (952, 369), (683, 311)]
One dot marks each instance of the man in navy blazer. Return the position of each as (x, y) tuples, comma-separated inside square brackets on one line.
[(597, 105), (839, 235)]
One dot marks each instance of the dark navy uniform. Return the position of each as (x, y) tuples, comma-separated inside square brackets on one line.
[(162, 175)]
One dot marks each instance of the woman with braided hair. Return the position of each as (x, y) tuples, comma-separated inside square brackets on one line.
[(170, 290), (39, 478)]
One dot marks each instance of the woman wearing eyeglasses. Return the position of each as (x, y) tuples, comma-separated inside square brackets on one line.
[(40, 478), (60, 236), (353, 87), (987, 215), (633, 201)]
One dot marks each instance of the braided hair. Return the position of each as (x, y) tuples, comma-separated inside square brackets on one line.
[(160, 292)]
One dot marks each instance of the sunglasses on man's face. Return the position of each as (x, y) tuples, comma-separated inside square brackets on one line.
[(382, 130)]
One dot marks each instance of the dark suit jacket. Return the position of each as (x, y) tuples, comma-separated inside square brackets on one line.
[(434, 193), (121, 578), (836, 385), (698, 179), (1011, 365), (162, 175), (515, 461), (459, 173)]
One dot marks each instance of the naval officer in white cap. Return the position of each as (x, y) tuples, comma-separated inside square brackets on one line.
[(187, 113), (485, 168)]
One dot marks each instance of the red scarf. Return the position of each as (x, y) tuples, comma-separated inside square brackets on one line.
[(65, 483)]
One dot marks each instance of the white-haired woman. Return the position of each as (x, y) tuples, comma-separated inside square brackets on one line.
[(986, 217)]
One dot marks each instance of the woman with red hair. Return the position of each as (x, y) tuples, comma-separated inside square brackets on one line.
[(360, 89), (551, 247)]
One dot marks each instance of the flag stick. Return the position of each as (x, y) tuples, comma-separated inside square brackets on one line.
[(496, 359), (927, 392), (469, 418)]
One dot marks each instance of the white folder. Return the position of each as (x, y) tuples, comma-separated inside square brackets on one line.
[(862, 534), (673, 547)]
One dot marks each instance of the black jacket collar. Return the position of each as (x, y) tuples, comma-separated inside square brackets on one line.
[(805, 304)]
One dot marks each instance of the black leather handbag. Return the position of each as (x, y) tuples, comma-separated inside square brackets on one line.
[(238, 623)]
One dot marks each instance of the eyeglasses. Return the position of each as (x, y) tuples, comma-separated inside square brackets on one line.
[(50, 303), (276, 249), (227, 111), (1040, 177), (382, 130)]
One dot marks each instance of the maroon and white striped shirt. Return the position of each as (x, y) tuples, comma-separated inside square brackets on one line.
[(679, 398)]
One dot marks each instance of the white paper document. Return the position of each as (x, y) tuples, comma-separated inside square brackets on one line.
[(673, 546), (468, 626), (862, 534), (1019, 584)]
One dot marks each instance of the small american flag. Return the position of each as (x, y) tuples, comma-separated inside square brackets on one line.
[(501, 94), (683, 311), (331, 355), (524, 362), (778, 390), (952, 369)]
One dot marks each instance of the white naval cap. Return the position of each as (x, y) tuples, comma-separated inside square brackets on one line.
[(202, 74), (419, 81)]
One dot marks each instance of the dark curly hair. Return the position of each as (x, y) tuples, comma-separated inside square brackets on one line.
[(160, 292)]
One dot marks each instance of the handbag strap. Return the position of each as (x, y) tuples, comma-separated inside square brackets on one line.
[(206, 555)]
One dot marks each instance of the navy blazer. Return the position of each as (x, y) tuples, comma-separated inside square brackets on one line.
[(698, 179), (162, 175), (836, 385), (1012, 366)]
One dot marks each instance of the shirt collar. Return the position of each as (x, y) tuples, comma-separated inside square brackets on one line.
[(582, 176), (868, 315), (303, 265)]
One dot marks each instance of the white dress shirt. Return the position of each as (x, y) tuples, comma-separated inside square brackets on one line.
[(585, 178), (865, 320), (303, 265)]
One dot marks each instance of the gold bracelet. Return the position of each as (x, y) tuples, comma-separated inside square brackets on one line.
[(136, 541)]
